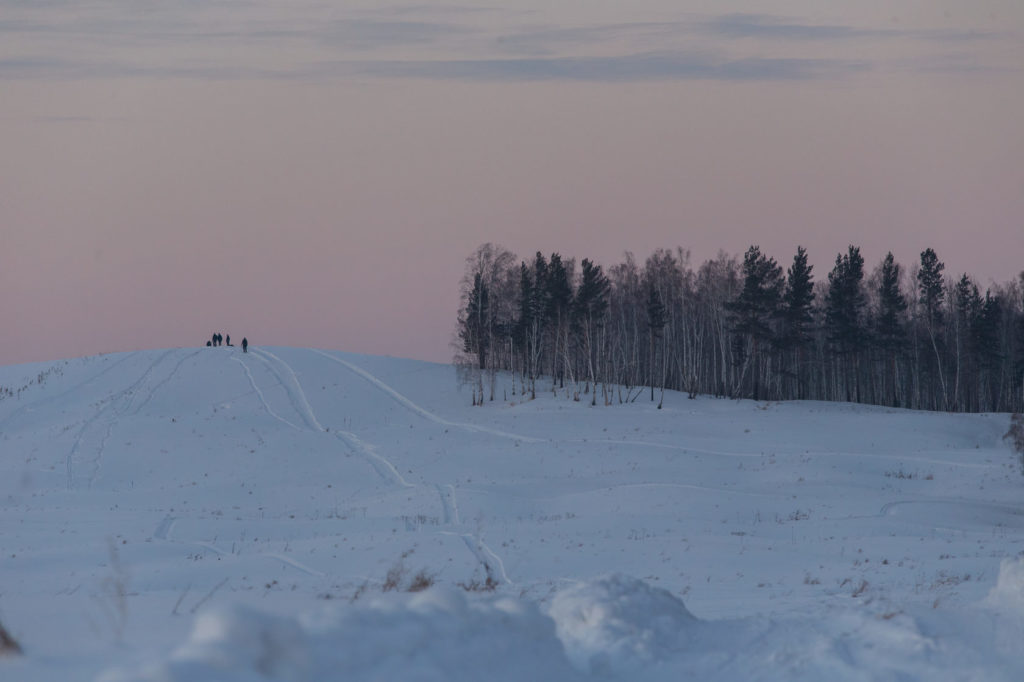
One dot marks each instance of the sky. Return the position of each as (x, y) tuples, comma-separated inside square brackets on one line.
[(315, 174)]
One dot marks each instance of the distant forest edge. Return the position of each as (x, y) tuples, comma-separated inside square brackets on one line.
[(742, 328)]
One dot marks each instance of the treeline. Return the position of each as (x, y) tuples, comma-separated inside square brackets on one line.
[(743, 328)]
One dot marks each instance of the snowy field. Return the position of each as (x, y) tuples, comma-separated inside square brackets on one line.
[(204, 514)]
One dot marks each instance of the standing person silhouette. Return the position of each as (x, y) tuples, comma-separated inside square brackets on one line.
[(245, 345), (228, 337)]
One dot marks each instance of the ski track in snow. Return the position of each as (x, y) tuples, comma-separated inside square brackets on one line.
[(1002, 508), (620, 486), (483, 554), (33, 406), (174, 370), (665, 446), (683, 486), (448, 505), (758, 455), (426, 414), (164, 529), (384, 468), (292, 387), (388, 470), (110, 404), (277, 556), (294, 564), (495, 558), (263, 399)]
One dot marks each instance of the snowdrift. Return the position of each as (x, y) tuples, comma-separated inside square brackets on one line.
[(614, 627)]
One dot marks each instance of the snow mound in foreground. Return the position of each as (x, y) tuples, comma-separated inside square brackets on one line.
[(435, 635), (616, 623), (1009, 590), (613, 628)]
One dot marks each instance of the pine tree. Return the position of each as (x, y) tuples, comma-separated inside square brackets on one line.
[(655, 324), (986, 348), (539, 313), (737, 326), (967, 306), (797, 317), (929, 283), (931, 295), (844, 316), (589, 309), (559, 299), (797, 300), (591, 300), (889, 333), (755, 309)]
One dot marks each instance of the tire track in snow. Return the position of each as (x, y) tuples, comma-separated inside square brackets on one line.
[(418, 410)]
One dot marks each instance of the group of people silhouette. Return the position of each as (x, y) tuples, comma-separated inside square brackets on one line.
[(218, 340)]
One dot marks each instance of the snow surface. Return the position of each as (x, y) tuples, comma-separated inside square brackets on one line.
[(204, 514)]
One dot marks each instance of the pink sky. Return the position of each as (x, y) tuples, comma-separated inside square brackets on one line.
[(317, 177)]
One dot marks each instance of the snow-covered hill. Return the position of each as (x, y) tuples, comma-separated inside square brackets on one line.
[(204, 514)]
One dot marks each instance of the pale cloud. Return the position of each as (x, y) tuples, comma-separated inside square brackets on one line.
[(260, 40), (368, 34), (769, 27), (633, 67)]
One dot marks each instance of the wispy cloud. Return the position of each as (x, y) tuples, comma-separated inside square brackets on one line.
[(545, 40), (780, 28), (634, 67), (777, 28), (369, 34), (222, 40), (624, 68)]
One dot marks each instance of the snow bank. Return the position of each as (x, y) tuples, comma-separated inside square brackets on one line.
[(613, 628), (618, 623), (435, 635), (1009, 590)]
